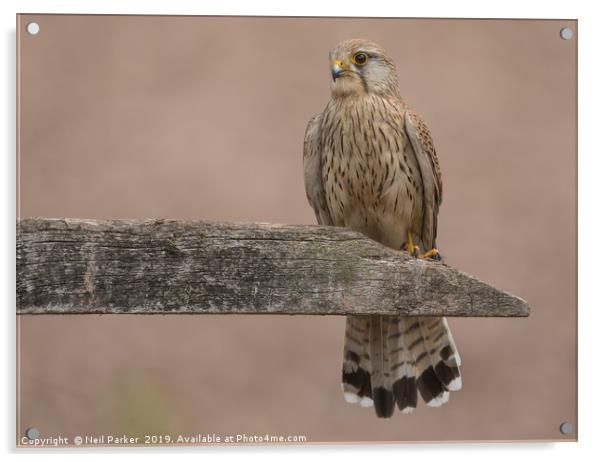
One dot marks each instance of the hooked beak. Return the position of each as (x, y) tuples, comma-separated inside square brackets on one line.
[(337, 69)]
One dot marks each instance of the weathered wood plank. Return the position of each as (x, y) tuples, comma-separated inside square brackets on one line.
[(68, 266)]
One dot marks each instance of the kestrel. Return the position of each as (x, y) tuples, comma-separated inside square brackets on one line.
[(370, 165)]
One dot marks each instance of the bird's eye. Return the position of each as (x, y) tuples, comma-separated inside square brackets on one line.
[(360, 58)]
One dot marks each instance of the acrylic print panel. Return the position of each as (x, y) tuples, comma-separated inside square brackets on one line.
[(203, 118)]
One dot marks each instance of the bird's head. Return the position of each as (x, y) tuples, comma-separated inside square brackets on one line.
[(360, 67)]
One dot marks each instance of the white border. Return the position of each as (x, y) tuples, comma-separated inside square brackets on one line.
[(590, 152)]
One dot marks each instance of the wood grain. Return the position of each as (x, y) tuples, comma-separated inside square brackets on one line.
[(70, 266)]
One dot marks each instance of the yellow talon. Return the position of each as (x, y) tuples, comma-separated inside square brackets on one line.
[(415, 250), (433, 253)]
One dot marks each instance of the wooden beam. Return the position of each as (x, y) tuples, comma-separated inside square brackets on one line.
[(70, 266)]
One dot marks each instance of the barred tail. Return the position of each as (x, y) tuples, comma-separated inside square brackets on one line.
[(403, 366), (380, 377), (390, 359), (430, 344), (356, 361)]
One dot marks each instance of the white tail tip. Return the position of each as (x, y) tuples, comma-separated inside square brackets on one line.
[(351, 397), (366, 402), (439, 400), (455, 384)]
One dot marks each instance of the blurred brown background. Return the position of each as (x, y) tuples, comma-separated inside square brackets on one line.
[(203, 118)]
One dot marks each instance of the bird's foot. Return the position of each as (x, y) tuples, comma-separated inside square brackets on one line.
[(411, 248), (414, 250), (433, 254)]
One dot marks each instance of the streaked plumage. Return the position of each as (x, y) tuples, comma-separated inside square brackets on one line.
[(370, 165)]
